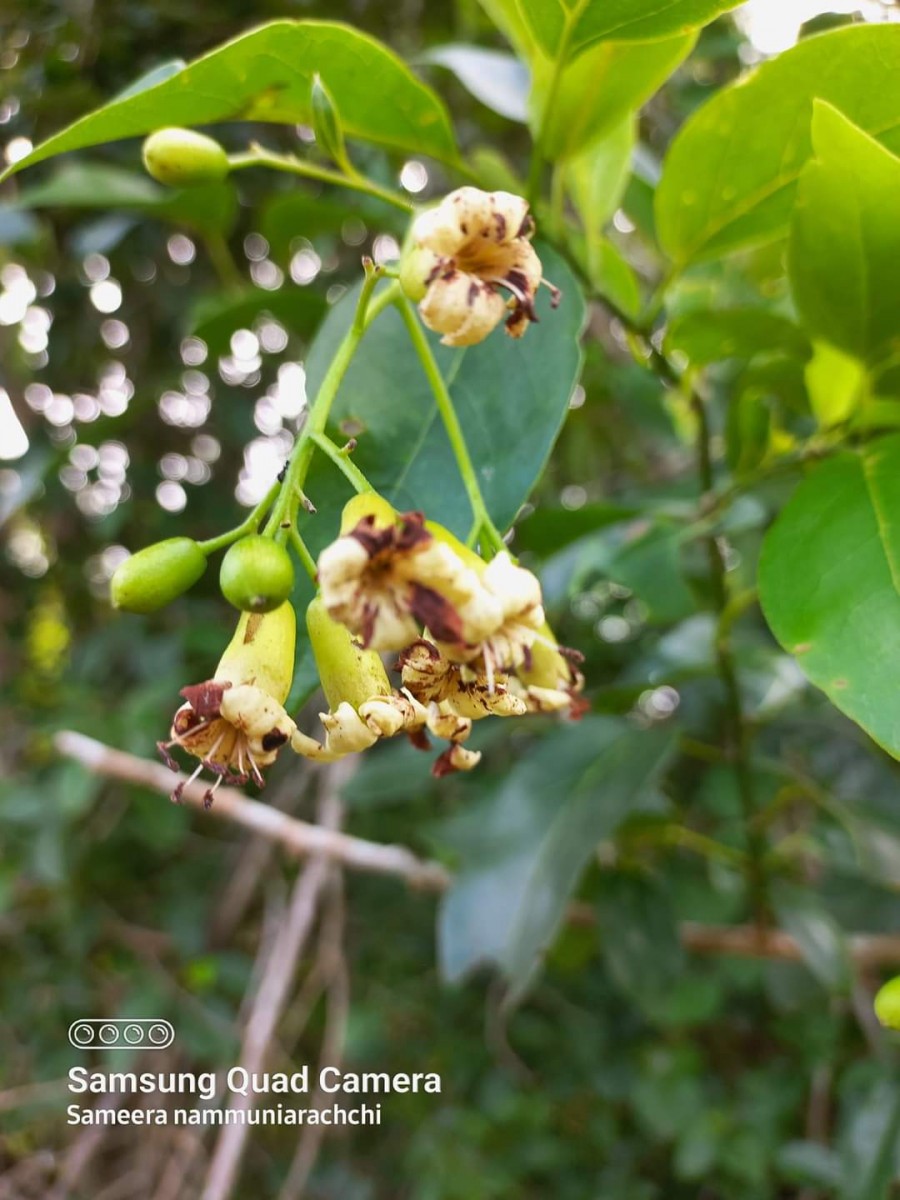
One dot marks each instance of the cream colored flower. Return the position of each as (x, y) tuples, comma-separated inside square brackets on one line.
[(364, 708), (549, 680), (455, 687), (235, 722), (470, 262), (386, 583)]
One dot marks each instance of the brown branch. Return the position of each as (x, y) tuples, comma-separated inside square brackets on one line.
[(300, 837), (303, 838), (273, 990)]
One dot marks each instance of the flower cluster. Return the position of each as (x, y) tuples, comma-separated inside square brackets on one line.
[(470, 262), (472, 637)]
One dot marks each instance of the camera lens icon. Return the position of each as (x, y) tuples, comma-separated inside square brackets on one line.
[(150, 1033)]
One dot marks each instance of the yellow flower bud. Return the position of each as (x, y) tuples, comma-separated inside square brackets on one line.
[(347, 672), (261, 652)]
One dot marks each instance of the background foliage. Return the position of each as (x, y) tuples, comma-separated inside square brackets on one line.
[(738, 249)]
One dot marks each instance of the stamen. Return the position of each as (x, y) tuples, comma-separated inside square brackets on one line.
[(210, 794), (179, 788), (257, 774)]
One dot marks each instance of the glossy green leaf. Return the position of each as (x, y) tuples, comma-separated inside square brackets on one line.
[(564, 28), (209, 208), (499, 80), (830, 584), (844, 251), (511, 397), (525, 846), (598, 90), (266, 75), (730, 175)]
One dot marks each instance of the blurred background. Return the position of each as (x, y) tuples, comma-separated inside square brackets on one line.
[(139, 400)]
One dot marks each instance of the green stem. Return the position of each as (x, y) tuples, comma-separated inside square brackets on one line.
[(538, 154), (341, 459), (302, 552), (367, 310), (483, 523), (223, 261), (737, 729), (249, 525), (259, 156)]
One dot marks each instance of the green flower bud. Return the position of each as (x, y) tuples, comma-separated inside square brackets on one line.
[(347, 672), (887, 1004), (184, 158), (256, 574), (154, 576)]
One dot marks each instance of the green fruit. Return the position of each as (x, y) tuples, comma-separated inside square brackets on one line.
[(154, 576), (257, 574), (887, 1004), (182, 158)]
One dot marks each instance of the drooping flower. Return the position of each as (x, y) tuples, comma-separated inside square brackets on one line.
[(550, 680), (364, 708), (456, 687), (235, 723), (470, 262), (386, 579)]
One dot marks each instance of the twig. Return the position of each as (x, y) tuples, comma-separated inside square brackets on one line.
[(299, 837), (332, 965), (303, 838), (272, 995)]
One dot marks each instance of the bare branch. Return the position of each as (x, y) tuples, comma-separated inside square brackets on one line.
[(272, 993), (299, 837), (302, 838)]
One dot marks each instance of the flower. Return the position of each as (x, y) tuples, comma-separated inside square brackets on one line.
[(235, 723), (363, 706), (455, 687), (550, 681), (385, 581), (463, 255), (517, 592)]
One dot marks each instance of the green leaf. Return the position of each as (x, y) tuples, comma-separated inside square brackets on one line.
[(599, 90), (499, 80), (208, 208), (266, 75), (836, 383), (639, 937), (844, 250), (614, 278), (868, 1145), (822, 943), (747, 431), (730, 177), (326, 122), (708, 336), (830, 584), (525, 847), (511, 396), (597, 179), (563, 27), (598, 176)]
